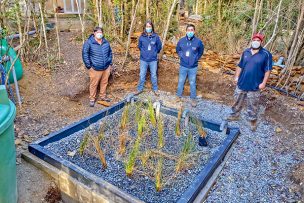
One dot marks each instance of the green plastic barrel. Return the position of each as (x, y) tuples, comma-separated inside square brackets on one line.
[(8, 181), (5, 49)]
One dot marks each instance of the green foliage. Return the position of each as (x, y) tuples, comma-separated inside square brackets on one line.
[(125, 117), (160, 132), (132, 157), (199, 127), (186, 150), (145, 157), (138, 111), (177, 126), (158, 174), (84, 143), (141, 125)]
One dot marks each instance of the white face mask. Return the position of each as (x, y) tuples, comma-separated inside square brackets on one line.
[(99, 35), (255, 44)]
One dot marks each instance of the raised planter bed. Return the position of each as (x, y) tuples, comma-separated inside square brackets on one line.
[(61, 149)]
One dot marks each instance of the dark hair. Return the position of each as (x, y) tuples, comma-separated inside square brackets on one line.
[(98, 29), (148, 22), (190, 25)]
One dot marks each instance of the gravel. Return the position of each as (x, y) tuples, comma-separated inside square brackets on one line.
[(139, 184), (253, 173)]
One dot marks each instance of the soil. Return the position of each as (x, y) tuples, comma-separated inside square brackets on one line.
[(55, 98)]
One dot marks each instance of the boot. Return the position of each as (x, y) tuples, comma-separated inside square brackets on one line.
[(253, 125), (233, 117)]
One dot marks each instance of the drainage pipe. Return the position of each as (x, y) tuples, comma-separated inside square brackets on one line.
[(156, 106)]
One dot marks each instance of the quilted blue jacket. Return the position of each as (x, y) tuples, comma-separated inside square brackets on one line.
[(95, 55)]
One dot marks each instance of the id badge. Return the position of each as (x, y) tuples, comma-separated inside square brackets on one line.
[(149, 47), (187, 53)]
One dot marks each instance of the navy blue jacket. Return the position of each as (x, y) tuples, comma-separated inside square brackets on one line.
[(95, 55), (144, 41), (253, 69), (189, 51)]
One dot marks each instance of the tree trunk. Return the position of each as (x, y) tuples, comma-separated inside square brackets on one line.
[(57, 31), (44, 33), (296, 44), (81, 22), (205, 7), (98, 6), (219, 11), (167, 27), (122, 19), (196, 7), (18, 18), (276, 25), (130, 32), (111, 8), (255, 15), (182, 8), (147, 10)]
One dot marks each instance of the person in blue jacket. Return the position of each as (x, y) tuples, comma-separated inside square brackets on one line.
[(97, 57), (251, 77), (189, 49), (149, 45)]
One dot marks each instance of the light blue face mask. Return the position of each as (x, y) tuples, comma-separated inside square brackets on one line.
[(148, 30), (190, 34), (99, 35)]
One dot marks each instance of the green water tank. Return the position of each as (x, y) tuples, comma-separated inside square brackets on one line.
[(5, 49), (8, 181)]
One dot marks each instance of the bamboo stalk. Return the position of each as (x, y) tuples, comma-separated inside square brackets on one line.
[(44, 34)]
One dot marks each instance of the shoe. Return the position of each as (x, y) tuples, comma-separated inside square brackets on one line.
[(156, 93), (178, 99), (253, 125), (104, 103), (92, 103), (233, 118), (138, 92), (106, 99), (193, 102)]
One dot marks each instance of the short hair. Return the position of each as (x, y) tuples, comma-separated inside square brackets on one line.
[(190, 25), (98, 29)]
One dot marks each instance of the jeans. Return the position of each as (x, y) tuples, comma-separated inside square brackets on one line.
[(142, 75), (252, 98), (183, 73)]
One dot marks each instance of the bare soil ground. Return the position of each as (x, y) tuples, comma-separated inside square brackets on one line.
[(54, 99)]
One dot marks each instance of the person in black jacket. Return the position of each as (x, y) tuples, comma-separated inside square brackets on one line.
[(97, 57), (149, 45)]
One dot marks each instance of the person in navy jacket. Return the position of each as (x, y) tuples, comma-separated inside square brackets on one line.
[(149, 45), (97, 57), (189, 49), (251, 77)]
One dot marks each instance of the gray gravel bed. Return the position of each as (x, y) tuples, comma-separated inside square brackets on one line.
[(255, 172), (140, 186)]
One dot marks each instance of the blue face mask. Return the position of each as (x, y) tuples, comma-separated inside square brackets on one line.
[(99, 35), (148, 30), (190, 34)]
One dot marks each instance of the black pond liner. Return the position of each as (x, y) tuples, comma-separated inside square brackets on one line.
[(37, 148)]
